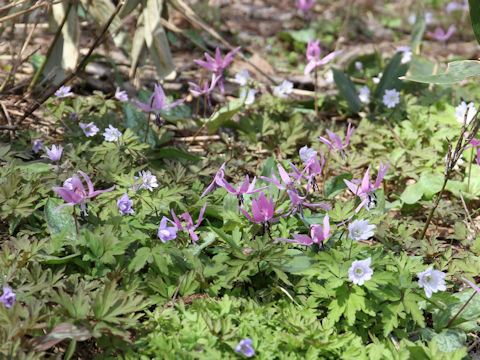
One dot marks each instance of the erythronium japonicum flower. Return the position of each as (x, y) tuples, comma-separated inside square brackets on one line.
[(335, 143), (63, 92), (245, 188), (124, 205), (244, 347), (158, 101), (313, 56), (206, 90), (304, 5), (77, 194), (8, 297), (219, 180), (289, 183), (440, 35), (365, 188), (263, 210), (318, 234), (187, 219), (54, 154), (472, 285), (121, 95), (166, 233), (296, 203), (218, 64), (431, 281), (306, 153), (360, 271), (360, 229), (391, 98), (89, 129)]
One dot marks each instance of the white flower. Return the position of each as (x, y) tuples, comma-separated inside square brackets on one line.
[(431, 281), (412, 18), (360, 229), (68, 184), (89, 129), (283, 90), (376, 79), (329, 77), (111, 133), (149, 181), (360, 271), (364, 94), (428, 17), (407, 53), (391, 98), (242, 78), (248, 96), (358, 65), (306, 153), (464, 108), (459, 161)]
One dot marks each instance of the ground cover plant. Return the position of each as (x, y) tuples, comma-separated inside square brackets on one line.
[(287, 195)]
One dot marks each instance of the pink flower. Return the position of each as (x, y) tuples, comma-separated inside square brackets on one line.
[(318, 234), (187, 219), (217, 64), (335, 143), (219, 180), (313, 56), (296, 202), (54, 154), (76, 194), (365, 189), (263, 210), (206, 90), (158, 101), (304, 5), (440, 35)]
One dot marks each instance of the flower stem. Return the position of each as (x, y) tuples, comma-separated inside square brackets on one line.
[(315, 100), (75, 218), (461, 309)]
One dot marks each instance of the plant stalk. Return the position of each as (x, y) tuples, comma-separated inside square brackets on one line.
[(459, 311)]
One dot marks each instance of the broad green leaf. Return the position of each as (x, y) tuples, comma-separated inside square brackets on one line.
[(302, 36), (175, 154), (36, 167), (60, 332), (451, 340), (347, 89), (418, 31), (431, 184), (335, 185), (61, 220), (391, 76), (475, 17), (49, 259), (224, 114), (412, 194), (142, 255), (298, 263), (456, 71)]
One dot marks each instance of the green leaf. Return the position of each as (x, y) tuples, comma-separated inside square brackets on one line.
[(335, 185), (418, 31), (61, 220), (302, 36), (456, 71), (224, 114), (36, 167), (174, 154), (412, 194), (142, 255), (391, 76), (347, 89), (431, 184), (298, 263), (475, 17), (49, 259), (451, 340), (60, 332)]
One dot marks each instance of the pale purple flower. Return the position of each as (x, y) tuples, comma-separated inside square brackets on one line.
[(431, 281), (63, 92), (465, 112), (244, 347), (306, 153), (158, 101), (187, 219), (73, 116), (360, 271), (283, 90), (8, 297), (166, 233), (206, 90), (391, 98), (89, 129), (245, 188), (218, 64), (358, 65), (54, 154), (37, 145), (219, 180), (313, 56), (318, 234), (68, 184), (124, 205), (287, 180), (242, 78), (263, 210), (296, 203), (77, 194), (475, 144), (361, 229), (454, 6), (440, 35), (364, 94), (121, 95), (472, 285), (111, 134), (304, 5), (248, 94), (365, 189), (149, 181), (335, 143)]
